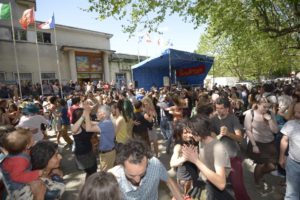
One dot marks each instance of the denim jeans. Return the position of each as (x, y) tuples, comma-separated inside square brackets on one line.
[(292, 180)]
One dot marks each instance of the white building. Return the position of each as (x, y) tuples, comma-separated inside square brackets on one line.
[(84, 55)]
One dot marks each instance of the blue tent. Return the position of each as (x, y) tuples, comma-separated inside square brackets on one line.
[(184, 67)]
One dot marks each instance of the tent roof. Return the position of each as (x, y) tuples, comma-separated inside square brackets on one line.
[(178, 60)]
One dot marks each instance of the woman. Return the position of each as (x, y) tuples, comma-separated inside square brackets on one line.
[(150, 115), (119, 120), (13, 114), (187, 172), (84, 155), (45, 156), (4, 120), (100, 186), (261, 125)]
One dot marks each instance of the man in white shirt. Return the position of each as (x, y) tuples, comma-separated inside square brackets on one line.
[(291, 163)]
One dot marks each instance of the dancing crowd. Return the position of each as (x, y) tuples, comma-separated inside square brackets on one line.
[(113, 134)]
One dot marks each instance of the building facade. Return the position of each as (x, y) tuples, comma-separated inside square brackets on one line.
[(80, 55)]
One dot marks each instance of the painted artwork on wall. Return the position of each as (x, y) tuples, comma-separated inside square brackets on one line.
[(82, 63)]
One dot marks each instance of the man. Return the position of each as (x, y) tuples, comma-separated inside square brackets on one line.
[(166, 120), (212, 160), (105, 127), (291, 139), (228, 129), (139, 173)]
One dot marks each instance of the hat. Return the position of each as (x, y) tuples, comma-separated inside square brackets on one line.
[(30, 109)]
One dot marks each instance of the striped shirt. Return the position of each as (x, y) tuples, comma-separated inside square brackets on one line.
[(148, 188)]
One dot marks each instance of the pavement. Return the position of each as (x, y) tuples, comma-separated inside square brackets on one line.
[(74, 178)]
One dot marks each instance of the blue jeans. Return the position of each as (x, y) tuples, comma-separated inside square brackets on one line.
[(292, 180)]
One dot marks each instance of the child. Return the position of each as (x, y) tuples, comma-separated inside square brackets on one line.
[(16, 167)]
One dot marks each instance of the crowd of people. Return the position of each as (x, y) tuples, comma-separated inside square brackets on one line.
[(113, 135)]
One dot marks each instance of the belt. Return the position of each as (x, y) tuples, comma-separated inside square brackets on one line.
[(106, 151)]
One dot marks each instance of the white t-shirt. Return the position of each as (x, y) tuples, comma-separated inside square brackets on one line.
[(33, 122), (292, 130)]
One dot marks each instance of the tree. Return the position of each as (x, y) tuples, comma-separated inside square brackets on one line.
[(278, 18), (248, 38)]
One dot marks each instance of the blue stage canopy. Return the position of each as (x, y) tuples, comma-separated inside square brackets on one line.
[(186, 68)]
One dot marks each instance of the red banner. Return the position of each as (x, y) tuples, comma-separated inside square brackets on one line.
[(190, 71)]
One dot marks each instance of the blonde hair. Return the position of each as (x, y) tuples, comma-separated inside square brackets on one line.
[(17, 141)]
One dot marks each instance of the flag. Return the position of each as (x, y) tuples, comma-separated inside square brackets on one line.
[(4, 11), (141, 37), (49, 24), (27, 18), (147, 38)]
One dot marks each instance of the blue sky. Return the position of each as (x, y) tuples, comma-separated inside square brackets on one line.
[(67, 12)]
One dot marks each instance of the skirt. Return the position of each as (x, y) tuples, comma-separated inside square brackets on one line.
[(267, 153)]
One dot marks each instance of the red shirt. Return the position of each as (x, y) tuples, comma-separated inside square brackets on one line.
[(19, 169), (71, 110)]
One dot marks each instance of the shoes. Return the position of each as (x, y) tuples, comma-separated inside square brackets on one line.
[(276, 173), (265, 189)]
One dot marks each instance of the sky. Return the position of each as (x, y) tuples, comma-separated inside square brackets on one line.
[(181, 35)]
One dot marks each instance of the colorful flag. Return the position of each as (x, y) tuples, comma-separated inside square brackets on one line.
[(27, 18), (148, 38), (141, 37), (49, 24), (4, 11)]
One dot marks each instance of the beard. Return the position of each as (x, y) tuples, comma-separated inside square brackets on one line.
[(133, 182)]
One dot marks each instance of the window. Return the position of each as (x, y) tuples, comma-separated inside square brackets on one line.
[(2, 76), (44, 37), (24, 76), (48, 76), (5, 33), (21, 34)]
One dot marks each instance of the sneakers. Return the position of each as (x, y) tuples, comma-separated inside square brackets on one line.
[(264, 189), (276, 173)]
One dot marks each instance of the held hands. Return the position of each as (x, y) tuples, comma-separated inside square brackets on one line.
[(190, 153), (224, 131)]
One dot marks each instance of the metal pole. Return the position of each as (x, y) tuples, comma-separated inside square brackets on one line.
[(170, 69), (38, 58), (15, 49), (57, 61)]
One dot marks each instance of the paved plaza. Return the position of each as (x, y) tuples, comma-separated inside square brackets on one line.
[(75, 178)]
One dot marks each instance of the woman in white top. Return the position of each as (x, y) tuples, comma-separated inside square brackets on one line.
[(261, 125)]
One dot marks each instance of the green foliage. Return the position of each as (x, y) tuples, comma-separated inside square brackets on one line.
[(248, 38)]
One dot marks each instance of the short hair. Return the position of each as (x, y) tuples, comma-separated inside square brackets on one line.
[(223, 101), (106, 109), (75, 100), (200, 126), (4, 130), (101, 185), (205, 109), (41, 153), (134, 150), (76, 115), (17, 141), (138, 105)]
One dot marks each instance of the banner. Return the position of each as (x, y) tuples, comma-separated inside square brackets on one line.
[(190, 71)]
